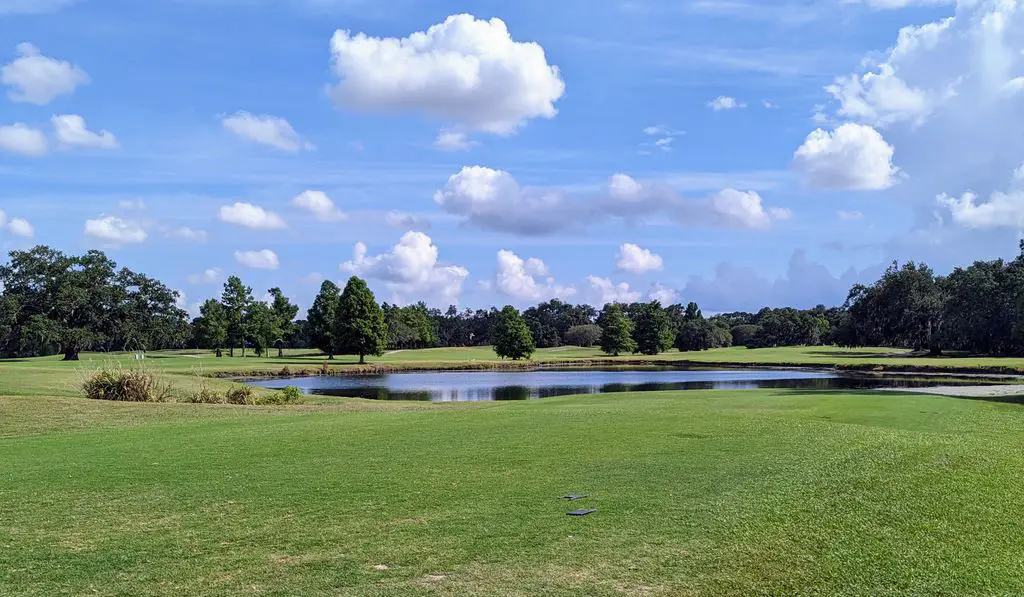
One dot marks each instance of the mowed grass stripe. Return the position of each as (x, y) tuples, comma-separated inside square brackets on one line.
[(705, 493)]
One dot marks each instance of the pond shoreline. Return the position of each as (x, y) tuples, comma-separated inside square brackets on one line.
[(583, 364)]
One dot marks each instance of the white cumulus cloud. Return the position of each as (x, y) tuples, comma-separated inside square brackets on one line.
[(603, 291), (37, 79), (211, 275), (1002, 210), (266, 130), (263, 259), (71, 131), (493, 199), (724, 102), (465, 70), (663, 294), (453, 141), (116, 230), (251, 216), (629, 198), (852, 157), (21, 227), (411, 270), (320, 205), (190, 234), (20, 138), (638, 261), (518, 279)]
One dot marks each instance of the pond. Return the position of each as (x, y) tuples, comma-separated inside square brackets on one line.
[(452, 386)]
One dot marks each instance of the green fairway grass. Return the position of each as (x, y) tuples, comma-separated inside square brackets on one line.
[(763, 492), (697, 493)]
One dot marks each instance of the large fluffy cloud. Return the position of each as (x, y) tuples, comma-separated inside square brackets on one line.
[(20, 138), (603, 291), (115, 230), (71, 131), (411, 270), (493, 199), (853, 157), (265, 130), (251, 216), (465, 70), (37, 79), (527, 280), (626, 197), (21, 227), (942, 95), (636, 260), (1002, 210), (320, 205), (17, 226), (262, 259)]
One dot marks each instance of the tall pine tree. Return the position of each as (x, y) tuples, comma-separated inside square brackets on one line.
[(321, 318), (359, 325), (653, 331), (236, 299), (285, 312), (616, 331)]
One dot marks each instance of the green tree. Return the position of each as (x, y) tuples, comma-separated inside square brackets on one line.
[(359, 325), (695, 335), (409, 327), (653, 329), (285, 313), (616, 331), (8, 321), (262, 326), (65, 302), (236, 299), (321, 318), (583, 336), (902, 309), (146, 315), (511, 336), (210, 329)]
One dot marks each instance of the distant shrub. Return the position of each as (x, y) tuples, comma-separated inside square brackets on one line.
[(205, 396), (288, 395), (126, 385), (241, 394), (285, 371), (584, 336)]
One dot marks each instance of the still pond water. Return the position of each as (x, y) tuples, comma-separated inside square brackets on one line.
[(453, 386)]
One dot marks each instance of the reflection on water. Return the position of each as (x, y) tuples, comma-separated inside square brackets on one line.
[(454, 386)]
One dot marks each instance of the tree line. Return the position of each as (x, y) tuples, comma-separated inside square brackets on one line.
[(54, 303)]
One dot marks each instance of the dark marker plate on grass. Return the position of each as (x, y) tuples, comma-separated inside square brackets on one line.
[(582, 512), (573, 497)]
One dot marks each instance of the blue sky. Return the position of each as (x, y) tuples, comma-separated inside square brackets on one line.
[(737, 154)]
